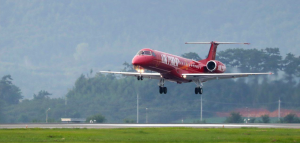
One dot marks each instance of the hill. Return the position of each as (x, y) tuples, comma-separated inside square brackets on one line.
[(48, 44)]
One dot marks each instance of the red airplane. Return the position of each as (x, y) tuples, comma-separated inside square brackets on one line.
[(181, 70)]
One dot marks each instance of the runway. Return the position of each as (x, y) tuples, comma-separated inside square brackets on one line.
[(105, 126)]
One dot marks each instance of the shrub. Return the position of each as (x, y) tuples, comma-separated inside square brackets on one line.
[(291, 118), (129, 121), (265, 118), (235, 117), (98, 117)]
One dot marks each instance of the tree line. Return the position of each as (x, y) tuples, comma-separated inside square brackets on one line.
[(236, 117), (113, 98)]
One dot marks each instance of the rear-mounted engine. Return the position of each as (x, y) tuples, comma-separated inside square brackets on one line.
[(215, 66)]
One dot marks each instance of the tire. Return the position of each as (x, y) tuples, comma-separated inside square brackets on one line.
[(200, 90), (196, 90), (141, 77), (165, 90), (160, 90), (138, 77)]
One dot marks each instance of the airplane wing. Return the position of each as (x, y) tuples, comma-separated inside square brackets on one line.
[(211, 76), (135, 74)]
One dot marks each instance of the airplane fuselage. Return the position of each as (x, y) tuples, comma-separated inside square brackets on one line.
[(171, 66)]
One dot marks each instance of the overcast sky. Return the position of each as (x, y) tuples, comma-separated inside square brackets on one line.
[(46, 45)]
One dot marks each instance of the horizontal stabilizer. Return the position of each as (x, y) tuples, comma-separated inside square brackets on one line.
[(215, 42)]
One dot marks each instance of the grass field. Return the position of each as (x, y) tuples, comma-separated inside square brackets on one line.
[(151, 135)]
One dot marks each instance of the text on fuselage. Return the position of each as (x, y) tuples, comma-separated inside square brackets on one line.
[(221, 68), (173, 61)]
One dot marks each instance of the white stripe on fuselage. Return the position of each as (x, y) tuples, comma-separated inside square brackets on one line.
[(174, 61)]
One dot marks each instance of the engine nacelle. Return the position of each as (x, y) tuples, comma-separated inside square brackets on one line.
[(215, 66)]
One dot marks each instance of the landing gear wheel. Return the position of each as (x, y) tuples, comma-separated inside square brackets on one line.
[(200, 90), (165, 90), (199, 85), (138, 77), (160, 89), (141, 77)]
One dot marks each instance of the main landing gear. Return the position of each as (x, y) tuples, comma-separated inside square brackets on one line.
[(161, 84), (198, 89), (139, 77)]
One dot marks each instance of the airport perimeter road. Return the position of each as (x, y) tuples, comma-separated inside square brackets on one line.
[(101, 126)]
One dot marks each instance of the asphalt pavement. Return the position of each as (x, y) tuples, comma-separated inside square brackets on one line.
[(103, 126)]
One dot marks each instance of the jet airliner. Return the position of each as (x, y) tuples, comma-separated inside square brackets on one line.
[(168, 67)]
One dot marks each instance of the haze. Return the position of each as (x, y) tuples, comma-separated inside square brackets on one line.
[(47, 45)]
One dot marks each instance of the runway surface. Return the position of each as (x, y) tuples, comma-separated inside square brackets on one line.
[(103, 126)]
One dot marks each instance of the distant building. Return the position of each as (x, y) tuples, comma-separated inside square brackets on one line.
[(73, 120)]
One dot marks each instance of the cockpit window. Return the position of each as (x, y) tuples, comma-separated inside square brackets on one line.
[(144, 53), (153, 54), (147, 53)]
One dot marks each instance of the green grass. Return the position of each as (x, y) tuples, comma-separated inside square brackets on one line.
[(151, 135)]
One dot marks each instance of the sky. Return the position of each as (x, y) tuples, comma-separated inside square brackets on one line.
[(46, 45)]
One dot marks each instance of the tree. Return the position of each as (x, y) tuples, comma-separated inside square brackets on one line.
[(75, 114), (6, 79), (199, 122), (129, 121), (42, 95), (291, 66), (265, 118), (9, 93), (23, 118), (1, 112), (128, 67), (235, 117), (291, 118), (252, 60), (98, 117), (272, 60), (191, 55), (252, 120)]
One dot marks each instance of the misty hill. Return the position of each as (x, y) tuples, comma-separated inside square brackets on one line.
[(46, 45)]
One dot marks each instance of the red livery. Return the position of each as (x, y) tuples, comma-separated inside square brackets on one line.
[(180, 70)]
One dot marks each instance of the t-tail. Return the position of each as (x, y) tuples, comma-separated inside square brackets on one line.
[(213, 48)]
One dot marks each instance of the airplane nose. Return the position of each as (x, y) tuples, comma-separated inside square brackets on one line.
[(135, 61), (141, 60)]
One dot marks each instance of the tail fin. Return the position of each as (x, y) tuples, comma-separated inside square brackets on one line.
[(213, 48)]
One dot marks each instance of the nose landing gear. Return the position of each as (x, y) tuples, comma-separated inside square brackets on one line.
[(162, 89)]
